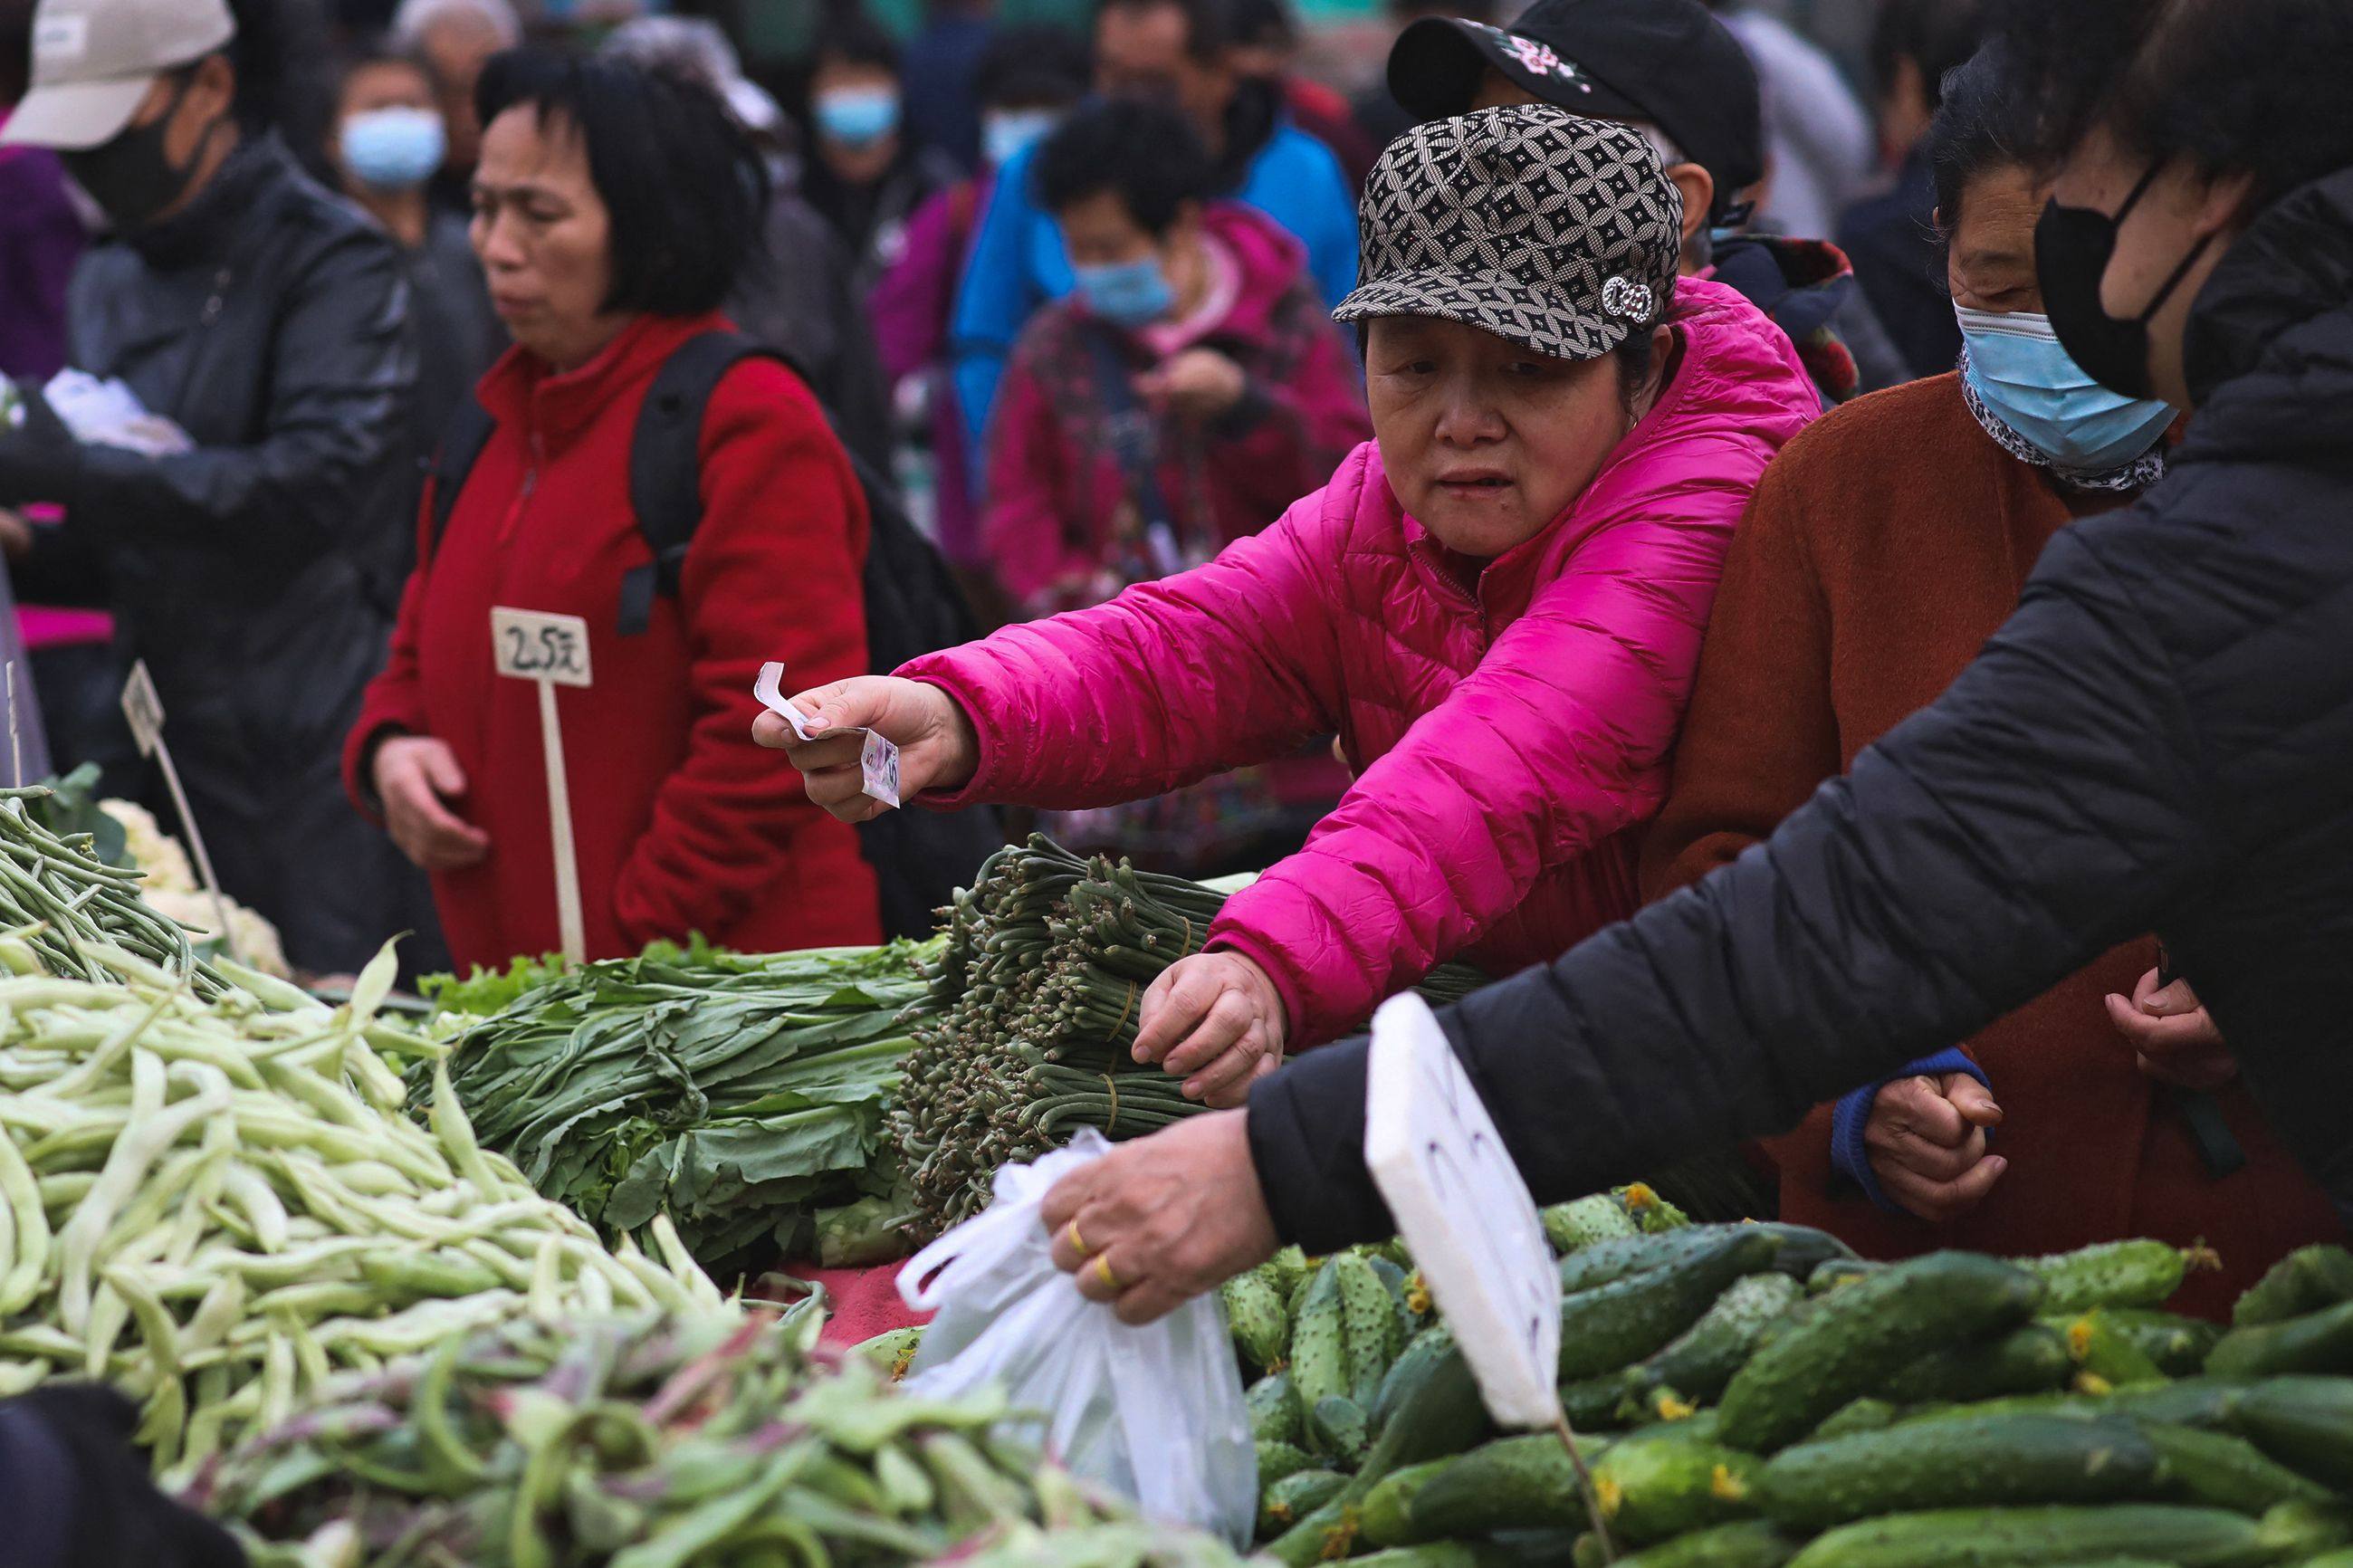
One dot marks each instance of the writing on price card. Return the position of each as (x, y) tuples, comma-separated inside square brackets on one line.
[(878, 757), (532, 645), (143, 708), (1465, 1213)]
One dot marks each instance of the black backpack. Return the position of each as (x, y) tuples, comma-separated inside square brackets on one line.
[(913, 604)]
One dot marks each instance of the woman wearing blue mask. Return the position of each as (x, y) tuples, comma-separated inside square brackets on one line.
[(388, 141), (1886, 544), (866, 176)]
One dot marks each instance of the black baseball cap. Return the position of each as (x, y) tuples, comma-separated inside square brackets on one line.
[(1670, 63)]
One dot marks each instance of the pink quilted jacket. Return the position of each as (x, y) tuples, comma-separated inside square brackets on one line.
[(1507, 745)]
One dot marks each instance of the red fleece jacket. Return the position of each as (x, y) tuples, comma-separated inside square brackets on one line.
[(680, 822)]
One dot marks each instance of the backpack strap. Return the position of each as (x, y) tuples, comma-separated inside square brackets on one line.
[(666, 465), (462, 440)]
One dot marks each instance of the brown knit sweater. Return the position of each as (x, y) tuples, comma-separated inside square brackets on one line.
[(1884, 546)]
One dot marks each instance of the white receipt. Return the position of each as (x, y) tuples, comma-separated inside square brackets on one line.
[(878, 757)]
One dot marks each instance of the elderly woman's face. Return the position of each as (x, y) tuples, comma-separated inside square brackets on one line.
[(1487, 442), (544, 237), (1990, 263)]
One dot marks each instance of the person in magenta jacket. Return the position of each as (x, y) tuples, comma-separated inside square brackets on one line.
[(1497, 604)]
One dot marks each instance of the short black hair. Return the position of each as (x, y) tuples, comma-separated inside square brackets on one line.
[(853, 38), (1032, 65), (1266, 22), (378, 50), (1147, 152), (1208, 24), (1936, 36), (2236, 86), (686, 188), (1986, 123)]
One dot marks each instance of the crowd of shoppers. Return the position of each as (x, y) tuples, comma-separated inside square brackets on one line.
[(1633, 531)]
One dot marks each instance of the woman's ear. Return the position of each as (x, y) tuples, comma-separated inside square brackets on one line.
[(1663, 353), (1698, 188)]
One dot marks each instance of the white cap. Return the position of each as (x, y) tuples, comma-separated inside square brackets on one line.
[(94, 60)]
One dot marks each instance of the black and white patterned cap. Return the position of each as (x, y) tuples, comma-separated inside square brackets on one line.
[(1558, 233)]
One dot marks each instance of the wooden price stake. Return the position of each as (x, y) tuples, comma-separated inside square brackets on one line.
[(1466, 1216), (552, 651), (144, 710)]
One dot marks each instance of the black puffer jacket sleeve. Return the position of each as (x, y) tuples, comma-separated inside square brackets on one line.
[(340, 371), (2047, 807)]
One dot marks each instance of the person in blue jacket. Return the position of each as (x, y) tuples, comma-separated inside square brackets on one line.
[(1175, 51)]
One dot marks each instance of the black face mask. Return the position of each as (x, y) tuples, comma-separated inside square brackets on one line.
[(131, 176), (2072, 248)]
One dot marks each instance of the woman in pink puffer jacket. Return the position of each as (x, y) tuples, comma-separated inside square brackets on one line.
[(1497, 604)]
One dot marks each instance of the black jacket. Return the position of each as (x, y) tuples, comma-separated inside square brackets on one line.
[(256, 574), (2160, 738)]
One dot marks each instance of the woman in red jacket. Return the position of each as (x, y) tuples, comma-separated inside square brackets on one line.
[(611, 208)]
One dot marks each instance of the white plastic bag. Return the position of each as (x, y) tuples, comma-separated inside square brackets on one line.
[(1154, 1412)]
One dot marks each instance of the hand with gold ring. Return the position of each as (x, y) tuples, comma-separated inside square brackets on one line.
[(1165, 1218)]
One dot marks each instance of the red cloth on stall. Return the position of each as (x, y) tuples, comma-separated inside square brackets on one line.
[(682, 824), (859, 1302)]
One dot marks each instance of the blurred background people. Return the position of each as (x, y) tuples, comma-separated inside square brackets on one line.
[(1885, 546), (389, 142), (1179, 52), (1189, 390), (1819, 143), (1266, 49), (44, 226), (1378, 113), (941, 75), (613, 206), (247, 526), (1892, 237), (454, 38), (1674, 72), (1029, 78), (795, 291), (864, 174)]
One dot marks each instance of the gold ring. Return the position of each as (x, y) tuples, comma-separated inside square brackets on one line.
[(1103, 1272), (1077, 1243)]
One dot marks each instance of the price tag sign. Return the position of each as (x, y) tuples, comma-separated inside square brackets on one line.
[(878, 758), (144, 710), (1465, 1213), (550, 650), (533, 646)]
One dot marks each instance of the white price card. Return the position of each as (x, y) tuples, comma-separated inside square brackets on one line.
[(531, 645), (1465, 1213), (143, 709), (878, 757), (550, 650)]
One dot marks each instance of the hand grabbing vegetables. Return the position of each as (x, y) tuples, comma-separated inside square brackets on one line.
[(1215, 1020), (1162, 1219), (937, 747)]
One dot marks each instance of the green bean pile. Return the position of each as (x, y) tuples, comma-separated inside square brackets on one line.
[(715, 1439), (59, 903), (1025, 1032), (216, 1204)]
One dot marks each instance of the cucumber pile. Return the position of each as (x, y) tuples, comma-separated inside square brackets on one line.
[(1755, 1396)]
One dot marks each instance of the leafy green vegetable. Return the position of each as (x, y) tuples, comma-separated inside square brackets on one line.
[(743, 1096)]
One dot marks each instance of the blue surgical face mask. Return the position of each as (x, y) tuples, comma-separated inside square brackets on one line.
[(2019, 370), (1012, 132), (1128, 294), (393, 149), (857, 116)]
